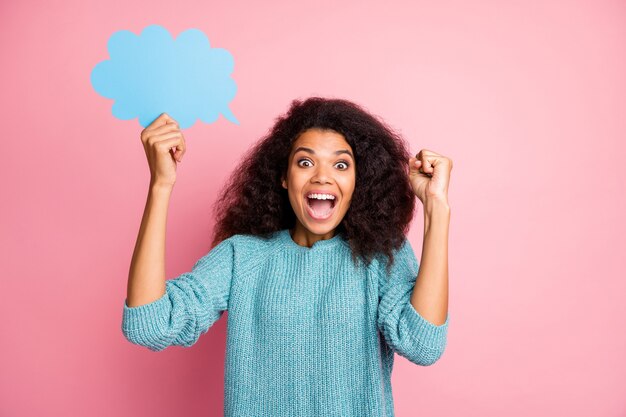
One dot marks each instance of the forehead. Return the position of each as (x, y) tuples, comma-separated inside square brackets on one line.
[(321, 141)]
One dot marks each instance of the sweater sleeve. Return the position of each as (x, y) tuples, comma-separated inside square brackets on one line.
[(191, 304), (404, 329)]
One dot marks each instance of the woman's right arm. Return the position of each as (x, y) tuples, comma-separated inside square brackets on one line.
[(146, 278), (159, 313)]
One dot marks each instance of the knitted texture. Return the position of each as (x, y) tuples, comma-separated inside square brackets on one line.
[(308, 334)]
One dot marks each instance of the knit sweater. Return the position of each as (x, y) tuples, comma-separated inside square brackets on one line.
[(309, 332)]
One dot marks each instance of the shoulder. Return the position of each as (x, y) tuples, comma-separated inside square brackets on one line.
[(247, 251), (403, 259), (252, 243)]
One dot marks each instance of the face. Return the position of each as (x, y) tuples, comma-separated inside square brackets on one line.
[(320, 162)]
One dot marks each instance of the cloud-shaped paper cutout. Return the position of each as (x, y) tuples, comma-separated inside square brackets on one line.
[(152, 73)]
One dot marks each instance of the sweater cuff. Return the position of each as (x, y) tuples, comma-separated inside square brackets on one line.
[(145, 317), (421, 329)]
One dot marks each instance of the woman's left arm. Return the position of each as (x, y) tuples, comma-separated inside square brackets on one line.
[(430, 176)]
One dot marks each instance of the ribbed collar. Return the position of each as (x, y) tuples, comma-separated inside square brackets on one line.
[(334, 242)]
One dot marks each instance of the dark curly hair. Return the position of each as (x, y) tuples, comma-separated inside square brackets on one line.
[(252, 201)]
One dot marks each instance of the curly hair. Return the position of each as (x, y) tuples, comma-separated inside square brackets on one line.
[(253, 202)]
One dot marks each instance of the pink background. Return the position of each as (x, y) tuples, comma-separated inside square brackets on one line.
[(527, 98)]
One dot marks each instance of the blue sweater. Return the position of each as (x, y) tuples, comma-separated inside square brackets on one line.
[(309, 333)]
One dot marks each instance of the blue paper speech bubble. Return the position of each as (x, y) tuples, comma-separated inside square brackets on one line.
[(152, 73)]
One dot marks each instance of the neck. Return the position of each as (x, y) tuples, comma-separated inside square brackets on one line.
[(304, 237)]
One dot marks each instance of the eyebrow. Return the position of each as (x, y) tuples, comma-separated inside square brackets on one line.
[(311, 151)]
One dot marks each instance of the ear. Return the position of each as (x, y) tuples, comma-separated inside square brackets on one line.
[(283, 181)]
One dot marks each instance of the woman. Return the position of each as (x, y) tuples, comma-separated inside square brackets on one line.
[(311, 261)]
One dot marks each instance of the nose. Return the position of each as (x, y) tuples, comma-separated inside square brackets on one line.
[(321, 175)]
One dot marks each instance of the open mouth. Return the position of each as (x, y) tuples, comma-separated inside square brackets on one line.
[(320, 209)]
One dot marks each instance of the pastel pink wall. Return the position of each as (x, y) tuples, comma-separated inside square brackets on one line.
[(527, 98)]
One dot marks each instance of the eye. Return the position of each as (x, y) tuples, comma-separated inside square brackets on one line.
[(301, 160), (345, 163)]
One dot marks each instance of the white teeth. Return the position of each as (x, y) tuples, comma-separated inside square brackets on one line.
[(322, 196)]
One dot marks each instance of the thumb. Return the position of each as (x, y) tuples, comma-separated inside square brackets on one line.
[(414, 164), (178, 155)]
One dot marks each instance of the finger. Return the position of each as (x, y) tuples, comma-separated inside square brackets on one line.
[(170, 119), (159, 121), (181, 146), (414, 163), (168, 145), (178, 154), (180, 150), (169, 127), (422, 159), (426, 152), (156, 135), (421, 169), (418, 165), (157, 139), (428, 163), (167, 117)]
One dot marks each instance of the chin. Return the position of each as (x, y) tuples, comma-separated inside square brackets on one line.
[(321, 230)]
